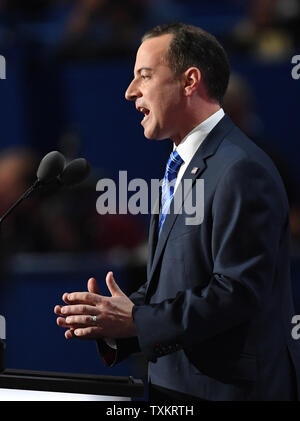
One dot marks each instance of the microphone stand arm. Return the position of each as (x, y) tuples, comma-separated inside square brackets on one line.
[(24, 196)]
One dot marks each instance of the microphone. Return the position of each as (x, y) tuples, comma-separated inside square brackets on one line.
[(51, 166), (74, 172)]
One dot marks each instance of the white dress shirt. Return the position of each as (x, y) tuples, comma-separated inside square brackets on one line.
[(191, 142)]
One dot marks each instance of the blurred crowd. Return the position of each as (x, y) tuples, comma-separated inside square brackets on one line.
[(86, 28), (240, 105), (269, 30), (83, 29), (51, 221)]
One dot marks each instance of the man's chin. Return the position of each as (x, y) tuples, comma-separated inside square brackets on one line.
[(153, 136)]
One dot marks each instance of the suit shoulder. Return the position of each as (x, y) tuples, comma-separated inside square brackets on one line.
[(245, 165), (236, 146)]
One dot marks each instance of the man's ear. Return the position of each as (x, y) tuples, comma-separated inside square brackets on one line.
[(191, 78)]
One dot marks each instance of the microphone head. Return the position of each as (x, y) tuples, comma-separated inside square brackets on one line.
[(51, 166), (75, 172)]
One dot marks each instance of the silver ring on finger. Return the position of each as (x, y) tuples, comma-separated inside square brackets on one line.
[(94, 318)]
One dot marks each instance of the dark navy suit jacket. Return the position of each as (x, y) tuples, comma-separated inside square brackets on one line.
[(214, 317)]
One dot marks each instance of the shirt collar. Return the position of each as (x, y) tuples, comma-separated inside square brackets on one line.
[(191, 142)]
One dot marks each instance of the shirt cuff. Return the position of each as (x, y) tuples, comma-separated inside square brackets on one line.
[(110, 342)]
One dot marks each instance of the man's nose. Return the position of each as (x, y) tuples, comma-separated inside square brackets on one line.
[(132, 92)]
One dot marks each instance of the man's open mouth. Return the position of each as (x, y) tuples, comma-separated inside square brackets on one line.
[(145, 111)]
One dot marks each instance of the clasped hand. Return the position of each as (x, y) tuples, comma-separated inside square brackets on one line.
[(90, 315)]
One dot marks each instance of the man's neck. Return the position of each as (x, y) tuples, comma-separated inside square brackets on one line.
[(197, 116)]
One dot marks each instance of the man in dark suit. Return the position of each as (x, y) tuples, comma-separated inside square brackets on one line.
[(214, 317)]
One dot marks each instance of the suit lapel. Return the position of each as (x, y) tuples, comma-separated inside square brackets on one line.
[(193, 171), (153, 231), (171, 218)]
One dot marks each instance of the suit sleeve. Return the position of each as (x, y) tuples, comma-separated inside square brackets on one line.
[(249, 214), (125, 346)]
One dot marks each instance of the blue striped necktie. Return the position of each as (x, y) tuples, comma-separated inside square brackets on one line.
[(168, 184)]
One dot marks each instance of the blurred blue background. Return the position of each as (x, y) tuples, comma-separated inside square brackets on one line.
[(68, 64)]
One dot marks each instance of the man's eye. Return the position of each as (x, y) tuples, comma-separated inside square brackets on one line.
[(145, 77)]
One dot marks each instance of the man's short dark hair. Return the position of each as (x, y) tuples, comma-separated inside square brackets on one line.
[(193, 46)]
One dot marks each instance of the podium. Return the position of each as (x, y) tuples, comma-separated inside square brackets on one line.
[(24, 385)]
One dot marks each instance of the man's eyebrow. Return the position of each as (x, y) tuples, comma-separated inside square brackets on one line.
[(143, 68)]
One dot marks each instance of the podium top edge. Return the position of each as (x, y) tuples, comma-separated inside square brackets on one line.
[(72, 376), (71, 383)]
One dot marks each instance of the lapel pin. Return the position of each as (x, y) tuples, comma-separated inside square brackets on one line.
[(194, 170)]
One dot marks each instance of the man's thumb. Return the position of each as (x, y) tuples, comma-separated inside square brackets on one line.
[(93, 286), (112, 285)]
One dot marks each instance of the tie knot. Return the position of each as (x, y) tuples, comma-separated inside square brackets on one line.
[(174, 162)]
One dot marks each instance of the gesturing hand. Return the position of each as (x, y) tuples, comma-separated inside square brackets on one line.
[(91, 315)]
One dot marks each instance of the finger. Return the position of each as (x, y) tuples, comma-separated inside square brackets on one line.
[(83, 334), (68, 323), (112, 285), (91, 332), (93, 286), (65, 298), (78, 309), (75, 323), (82, 297), (70, 334), (80, 321), (57, 309), (61, 321)]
